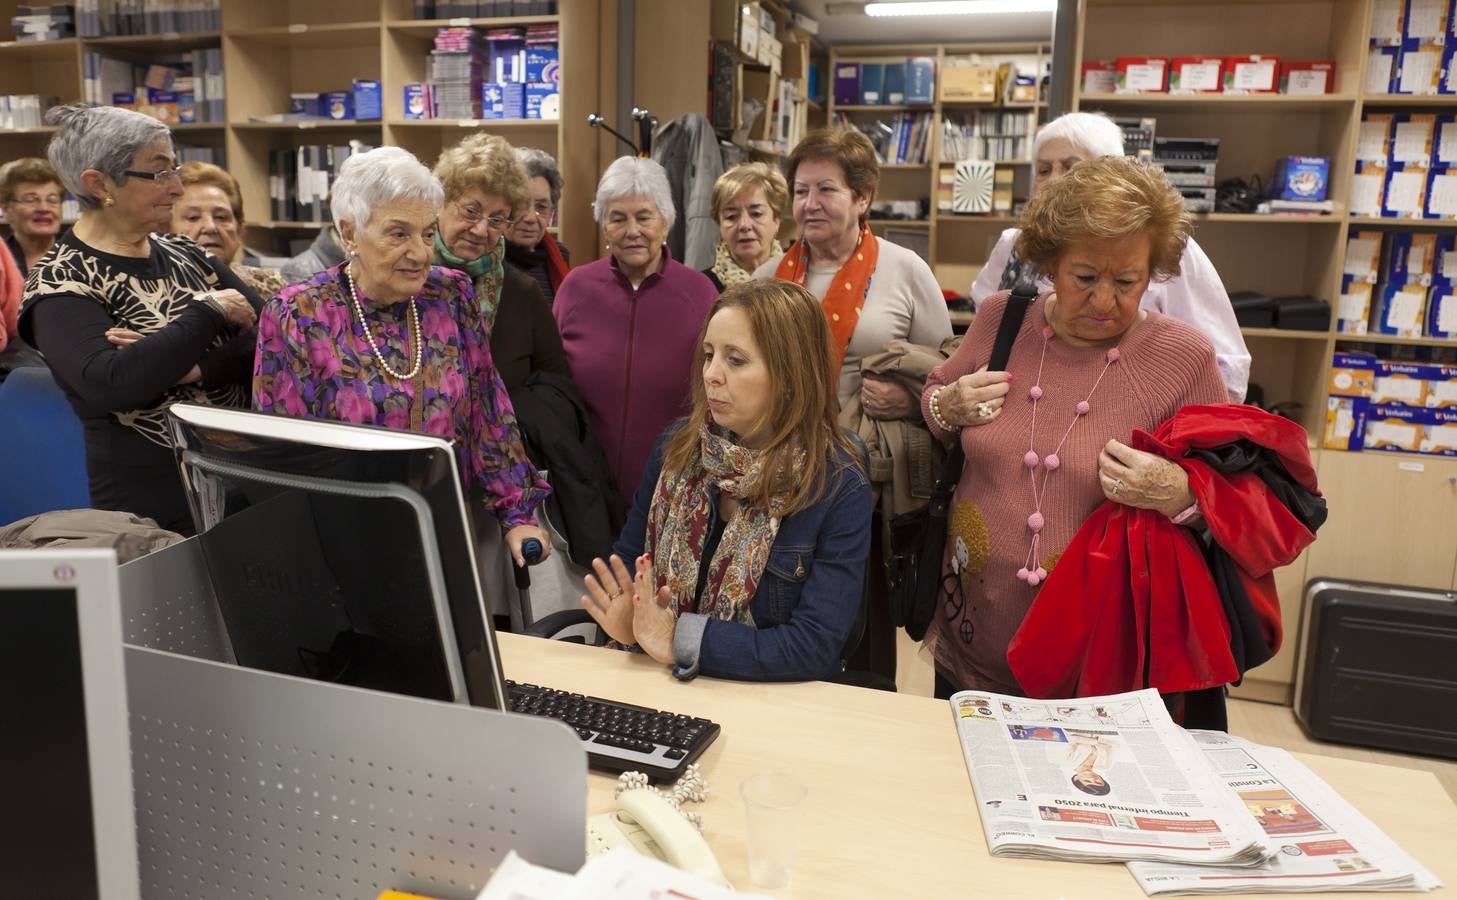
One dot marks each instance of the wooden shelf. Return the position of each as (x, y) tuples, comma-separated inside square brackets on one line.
[(924, 165), (977, 218), (192, 127), (309, 125), (167, 41), (1394, 340), (1287, 334), (288, 226), (1383, 222), (884, 107), (40, 129), (299, 36), (430, 26), (1271, 218), (65, 48), (1409, 99), (901, 223), (487, 124), (1236, 103)]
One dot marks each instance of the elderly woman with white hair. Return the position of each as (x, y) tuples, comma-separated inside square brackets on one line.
[(1196, 295), (386, 338), (129, 321), (630, 321)]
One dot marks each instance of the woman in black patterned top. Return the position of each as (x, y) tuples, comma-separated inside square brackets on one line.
[(128, 321)]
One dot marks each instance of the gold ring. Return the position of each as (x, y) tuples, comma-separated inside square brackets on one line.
[(1117, 485)]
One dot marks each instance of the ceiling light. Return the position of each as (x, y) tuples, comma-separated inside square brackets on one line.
[(960, 7)]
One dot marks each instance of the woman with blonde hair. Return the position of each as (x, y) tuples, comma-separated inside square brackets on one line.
[(749, 531), (747, 203), (486, 191)]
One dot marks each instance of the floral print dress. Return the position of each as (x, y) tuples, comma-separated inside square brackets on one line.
[(314, 361)]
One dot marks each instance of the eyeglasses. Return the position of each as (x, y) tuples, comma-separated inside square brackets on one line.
[(164, 175), (473, 216), (37, 200), (543, 210)]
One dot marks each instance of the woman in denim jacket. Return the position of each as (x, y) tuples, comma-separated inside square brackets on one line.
[(749, 532)]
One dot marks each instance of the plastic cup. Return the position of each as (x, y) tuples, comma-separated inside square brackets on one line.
[(772, 804)]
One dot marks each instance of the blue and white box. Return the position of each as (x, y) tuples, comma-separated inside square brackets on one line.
[(1381, 70), (503, 100), (1441, 194), (1402, 310), (305, 104), (1368, 188), (368, 100), (337, 104), (416, 106), (543, 101), (920, 79), (1301, 178), (543, 63), (1405, 193), (1442, 311), (186, 107)]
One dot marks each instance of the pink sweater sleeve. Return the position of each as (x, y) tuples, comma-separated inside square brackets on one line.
[(973, 353)]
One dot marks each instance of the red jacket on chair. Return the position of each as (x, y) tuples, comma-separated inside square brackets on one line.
[(1131, 602)]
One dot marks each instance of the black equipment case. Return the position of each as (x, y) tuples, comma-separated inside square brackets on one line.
[(1378, 667)]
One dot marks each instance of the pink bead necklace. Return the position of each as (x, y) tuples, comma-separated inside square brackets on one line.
[(1033, 573)]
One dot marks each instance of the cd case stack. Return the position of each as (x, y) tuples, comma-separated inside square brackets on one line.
[(457, 68)]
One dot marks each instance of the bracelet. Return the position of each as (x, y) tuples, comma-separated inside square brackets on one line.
[(1188, 513), (934, 404)]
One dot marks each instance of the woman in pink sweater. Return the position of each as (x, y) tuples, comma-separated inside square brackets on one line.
[(1045, 440)]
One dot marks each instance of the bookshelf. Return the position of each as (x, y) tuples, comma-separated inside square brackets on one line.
[(956, 243), (272, 48)]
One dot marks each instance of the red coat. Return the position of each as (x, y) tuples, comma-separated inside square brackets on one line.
[(1131, 602)]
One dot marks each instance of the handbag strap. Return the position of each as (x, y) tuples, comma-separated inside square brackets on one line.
[(1012, 315)]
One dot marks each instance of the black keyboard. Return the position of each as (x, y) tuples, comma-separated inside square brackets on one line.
[(620, 737)]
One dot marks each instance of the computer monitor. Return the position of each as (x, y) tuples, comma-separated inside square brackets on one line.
[(339, 552), (65, 759)]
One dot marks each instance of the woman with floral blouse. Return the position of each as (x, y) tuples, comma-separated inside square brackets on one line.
[(385, 338)]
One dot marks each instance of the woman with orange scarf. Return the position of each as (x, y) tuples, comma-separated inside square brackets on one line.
[(872, 291)]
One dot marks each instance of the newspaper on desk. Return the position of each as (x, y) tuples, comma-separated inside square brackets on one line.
[(1098, 779), (1324, 843)]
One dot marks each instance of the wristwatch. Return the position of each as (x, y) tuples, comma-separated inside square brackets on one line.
[(211, 300)]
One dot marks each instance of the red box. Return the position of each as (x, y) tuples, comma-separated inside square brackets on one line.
[(1142, 74), (1306, 77), (1196, 74), (1251, 74), (1099, 76)]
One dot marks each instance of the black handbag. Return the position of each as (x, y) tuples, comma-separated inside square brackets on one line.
[(918, 537)]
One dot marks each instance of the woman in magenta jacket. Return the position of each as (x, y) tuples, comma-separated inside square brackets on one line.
[(629, 321)]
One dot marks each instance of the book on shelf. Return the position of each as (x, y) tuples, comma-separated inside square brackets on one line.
[(899, 139), (193, 77), (299, 179), (103, 18), (996, 135)]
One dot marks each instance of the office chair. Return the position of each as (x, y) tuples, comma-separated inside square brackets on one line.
[(44, 466)]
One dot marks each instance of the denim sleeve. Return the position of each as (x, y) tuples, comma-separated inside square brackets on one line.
[(809, 645)]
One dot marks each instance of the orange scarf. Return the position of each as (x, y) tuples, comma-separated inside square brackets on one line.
[(842, 302)]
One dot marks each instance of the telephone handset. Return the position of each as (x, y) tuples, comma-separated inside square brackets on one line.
[(645, 823)]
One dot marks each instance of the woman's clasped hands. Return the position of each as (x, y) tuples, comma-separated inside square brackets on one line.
[(629, 610)]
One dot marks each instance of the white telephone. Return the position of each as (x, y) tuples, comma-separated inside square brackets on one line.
[(644, 822)]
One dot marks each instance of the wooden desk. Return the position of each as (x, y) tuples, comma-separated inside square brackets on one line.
[(890, 811)]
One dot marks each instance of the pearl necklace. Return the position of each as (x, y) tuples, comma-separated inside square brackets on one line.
[(1032, 572), (373, 345)]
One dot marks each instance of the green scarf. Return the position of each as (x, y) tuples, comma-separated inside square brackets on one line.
[(488, 271), (727, 268)]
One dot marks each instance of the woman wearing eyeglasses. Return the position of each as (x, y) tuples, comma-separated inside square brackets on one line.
[(31, 195), (186, 318), (485, 190), (530, 247)]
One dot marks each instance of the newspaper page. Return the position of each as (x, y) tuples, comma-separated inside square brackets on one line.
[(1324, 843), (1098, 779)]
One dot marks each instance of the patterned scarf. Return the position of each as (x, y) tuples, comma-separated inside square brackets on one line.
[(488, 271), (1019, 272), (842, 302), (683, 513), (728, 270)]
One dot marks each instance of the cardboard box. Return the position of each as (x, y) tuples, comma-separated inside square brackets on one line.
[(847, 83), (1300, 178), (1345, 423), (1403, 383), (1440, 201), (415, 105), (1141, 74), (969, 84), (305, 104), (1388, 23), (1418, 69), (503, 100), (1402, 310), (1196, 75), (1442, 312), (895, 84), (872, 83), (1405, 194), (1439, 434), (1413, 137), (1352, 375), (1368, 189), (543, 62), (1444, 145), (749, 29), (187, 107), (337, 104), (1363, 255), (1427, 20), (1409, 258), (543, 100), (1444, 265), (1353, 309), (1373, 140), (1307, 77), (921, 79), (368, 100), (1255, 74), (1381, 65), (1100, 76), (1442, 391), (1397, 429)]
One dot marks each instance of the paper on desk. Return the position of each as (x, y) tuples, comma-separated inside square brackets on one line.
[(618, 875), (1325, 844)]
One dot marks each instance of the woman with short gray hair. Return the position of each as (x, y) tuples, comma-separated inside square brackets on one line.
[(385, 338), (129, 321), (530, 246), (630, 321)]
